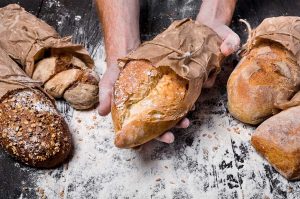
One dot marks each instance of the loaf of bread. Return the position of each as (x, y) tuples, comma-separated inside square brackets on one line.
[(31, 129), (160, 81), (268, 74), (150, 100), (278, 140), (265, 82), (58, 63), (66, 76)]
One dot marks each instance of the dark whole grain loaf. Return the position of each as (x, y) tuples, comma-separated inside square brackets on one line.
[(32, 130)]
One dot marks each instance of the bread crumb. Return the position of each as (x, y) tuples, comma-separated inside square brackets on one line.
[(62, 193)]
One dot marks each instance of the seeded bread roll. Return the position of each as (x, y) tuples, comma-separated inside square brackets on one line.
[(147, 102), (32, 130), (278, 140)]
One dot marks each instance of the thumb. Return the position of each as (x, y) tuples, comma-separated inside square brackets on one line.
[(231, 41), (231, 44), (106, 89), (105, 94)]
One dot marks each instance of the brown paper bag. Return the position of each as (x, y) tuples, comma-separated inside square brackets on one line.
[(12, 78), (27, 39), (192, 51)]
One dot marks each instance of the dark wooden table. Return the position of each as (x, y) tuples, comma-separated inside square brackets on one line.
[(227, 173)]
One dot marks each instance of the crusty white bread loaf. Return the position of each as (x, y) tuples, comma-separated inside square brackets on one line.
[(266, 76), (278, 140), (32, 130), (161, 80), (147, 102)]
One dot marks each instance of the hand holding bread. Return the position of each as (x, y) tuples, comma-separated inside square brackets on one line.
[(161, 80)]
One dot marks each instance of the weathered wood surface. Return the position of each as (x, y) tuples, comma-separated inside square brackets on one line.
[(211, 159)]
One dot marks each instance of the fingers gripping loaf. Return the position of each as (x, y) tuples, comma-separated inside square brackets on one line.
[(58, 63), (31, 129), (161, 80), (278, 140), (268, 73)]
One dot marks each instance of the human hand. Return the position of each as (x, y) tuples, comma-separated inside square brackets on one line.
[(217, 15), (105, 95)]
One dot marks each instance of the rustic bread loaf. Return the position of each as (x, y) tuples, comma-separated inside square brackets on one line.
[(265, 82), (32, 130), (278, 140), (161, 80), (66, 76), (266, 76), (46, 57), (147, 102)]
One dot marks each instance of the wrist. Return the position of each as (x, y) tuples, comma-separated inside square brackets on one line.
[(216, 12), (120, 49)]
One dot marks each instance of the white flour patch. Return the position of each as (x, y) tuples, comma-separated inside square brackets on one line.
[(51, 3), (77, 18), (211, 159)]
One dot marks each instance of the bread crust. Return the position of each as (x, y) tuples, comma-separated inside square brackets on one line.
[(266, 76), (148, 101), (278, 140), (32, 131)]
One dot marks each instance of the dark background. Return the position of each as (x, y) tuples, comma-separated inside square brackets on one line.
[(15, 178)]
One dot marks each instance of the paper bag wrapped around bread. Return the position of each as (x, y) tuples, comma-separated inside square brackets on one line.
[(269, 72), (161, 80), (265, 82), (31, 129), (64, 68)]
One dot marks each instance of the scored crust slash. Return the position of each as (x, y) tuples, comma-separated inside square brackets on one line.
[(161, 80), (265, 82), (64, 69)]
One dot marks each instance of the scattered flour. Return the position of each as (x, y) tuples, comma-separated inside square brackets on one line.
[(211, 159)]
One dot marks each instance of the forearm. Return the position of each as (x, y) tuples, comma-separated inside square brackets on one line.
[(216, 11), (120, 23)]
